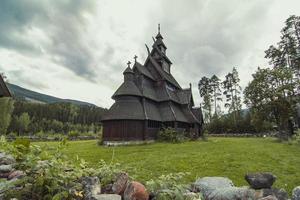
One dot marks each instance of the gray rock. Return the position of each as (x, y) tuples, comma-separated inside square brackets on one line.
[(107, 197), (5, 168), (260, 180), (270, 197), (120, 184), (6, 159), (16, 175), (208, 184), (91, 187), (280, 194), (231, 193), (296, 193)]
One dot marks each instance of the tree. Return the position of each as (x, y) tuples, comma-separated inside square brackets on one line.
[(232, 92), (6, 107), (269, 95), (22, 122), (205, 91), (216, 93)]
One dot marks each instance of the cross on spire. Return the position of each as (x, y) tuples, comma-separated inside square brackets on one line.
[(128, 63), (135, 57)]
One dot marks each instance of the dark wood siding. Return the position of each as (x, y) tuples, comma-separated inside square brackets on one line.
[(123, 130)]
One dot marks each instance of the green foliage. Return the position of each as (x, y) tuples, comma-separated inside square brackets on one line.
[(6, 107), (170, 135), (49, 172), (168, 187), (22, 123), (296, 137)]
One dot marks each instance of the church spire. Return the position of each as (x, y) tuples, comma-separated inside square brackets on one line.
[(158, 36)]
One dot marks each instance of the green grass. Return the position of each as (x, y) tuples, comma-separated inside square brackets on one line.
[(228, 157)]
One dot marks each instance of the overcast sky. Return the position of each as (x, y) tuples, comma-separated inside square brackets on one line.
[(78, 49)]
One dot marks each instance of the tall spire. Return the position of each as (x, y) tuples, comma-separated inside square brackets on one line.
[(158, 36), (158, 28)]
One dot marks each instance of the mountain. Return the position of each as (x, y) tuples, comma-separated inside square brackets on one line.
[(31, 96)]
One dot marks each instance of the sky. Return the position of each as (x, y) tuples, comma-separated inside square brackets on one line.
[(78, 49)]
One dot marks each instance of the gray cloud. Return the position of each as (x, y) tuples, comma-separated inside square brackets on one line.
[(61, 22)]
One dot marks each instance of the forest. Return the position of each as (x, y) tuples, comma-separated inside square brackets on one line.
[(272, 97)]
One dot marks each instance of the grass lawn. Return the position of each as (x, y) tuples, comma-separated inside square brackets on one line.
[(229, 157)]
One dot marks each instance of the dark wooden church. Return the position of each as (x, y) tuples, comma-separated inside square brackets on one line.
[(150, 98), (4, 91)]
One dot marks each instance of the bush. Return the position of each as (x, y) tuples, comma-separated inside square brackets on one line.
[(167, 187), (296, 137), (73, 134), (171, 135), (49, 173)]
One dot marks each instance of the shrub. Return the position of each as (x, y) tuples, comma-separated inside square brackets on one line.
[(296, 137), (170, 135), (167, 187), (73, 134), (49, 173)]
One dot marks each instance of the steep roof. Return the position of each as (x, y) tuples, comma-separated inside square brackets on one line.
[(127, 88), (143, 70), (4, 91), (126, 109)]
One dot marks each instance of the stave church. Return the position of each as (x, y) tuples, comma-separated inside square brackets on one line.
[(149, 99)]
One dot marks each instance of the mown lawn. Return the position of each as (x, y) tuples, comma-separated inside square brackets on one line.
[(229, 157)]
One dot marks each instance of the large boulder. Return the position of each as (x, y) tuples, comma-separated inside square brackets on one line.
[(135, 191), (260, 180), (6, 159), (296, 193), (206, 185), (220, 188), (119, 185), (231, 193)]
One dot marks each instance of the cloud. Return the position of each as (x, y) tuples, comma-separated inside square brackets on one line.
[(79, 48), (51, 28)]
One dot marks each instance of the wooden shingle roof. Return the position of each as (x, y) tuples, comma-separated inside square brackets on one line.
[(4, 91)]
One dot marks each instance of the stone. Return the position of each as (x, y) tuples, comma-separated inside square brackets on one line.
[(6, 159), (280, 194), (260, 180), (107, 197), (4, 175), (230, 193), (135, 191), (191, 196), (119, 185), (91, 187), (270, 197), (296, 193), (206, 185), (5, 168), (16, 175)]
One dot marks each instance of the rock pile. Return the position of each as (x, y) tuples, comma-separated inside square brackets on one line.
[(7, 171), (220, 188), (122, 188)]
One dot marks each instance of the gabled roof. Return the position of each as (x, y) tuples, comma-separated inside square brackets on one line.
[(164, 75), (127, 88), (143, 70), (4, 91), (128, 70)]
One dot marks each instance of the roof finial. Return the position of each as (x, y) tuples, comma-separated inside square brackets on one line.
[(135, 57), (158, 28), (129, 64)]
